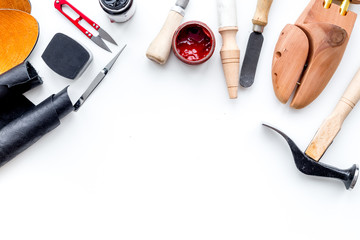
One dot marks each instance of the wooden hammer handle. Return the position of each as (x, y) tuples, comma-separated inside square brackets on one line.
[(160, 47), (351, 96), (347, 102), (262, 12), (333, 123)]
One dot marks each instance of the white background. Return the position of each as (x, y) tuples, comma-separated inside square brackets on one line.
[(160, 152)]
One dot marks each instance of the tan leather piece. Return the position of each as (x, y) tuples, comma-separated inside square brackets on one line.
[(23, 5), (19, 32)]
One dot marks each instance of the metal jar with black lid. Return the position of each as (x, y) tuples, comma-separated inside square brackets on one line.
[(118, 10)]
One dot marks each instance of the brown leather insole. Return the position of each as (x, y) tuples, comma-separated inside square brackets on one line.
[(23, 5), (19, 32)]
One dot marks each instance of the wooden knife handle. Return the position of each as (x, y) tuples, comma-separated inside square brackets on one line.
[(262, 12), (160, 47)]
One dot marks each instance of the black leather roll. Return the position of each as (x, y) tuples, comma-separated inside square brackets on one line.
[(19, 79), (24, 131), (13, 84)]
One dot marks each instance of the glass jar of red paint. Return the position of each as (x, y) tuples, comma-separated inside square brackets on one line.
[(193, 43)]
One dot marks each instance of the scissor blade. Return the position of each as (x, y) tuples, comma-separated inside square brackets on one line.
[(96, 81), (106, 36), (100, 43)]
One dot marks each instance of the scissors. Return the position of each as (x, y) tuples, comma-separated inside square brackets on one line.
[(98, 40)]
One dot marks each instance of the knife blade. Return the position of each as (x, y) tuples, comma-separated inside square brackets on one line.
[(333, 123), (96, 81), (255, 43)]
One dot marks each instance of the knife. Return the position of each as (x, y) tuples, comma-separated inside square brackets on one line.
[(96, 81), (255, 42), (332, 124)]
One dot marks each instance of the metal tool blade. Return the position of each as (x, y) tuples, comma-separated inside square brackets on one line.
[(106, 36), (309, 166), (96, 81), (182, 3), (98, 41), (251, 59)]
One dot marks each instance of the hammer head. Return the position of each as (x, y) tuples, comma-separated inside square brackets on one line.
[(309, 166)]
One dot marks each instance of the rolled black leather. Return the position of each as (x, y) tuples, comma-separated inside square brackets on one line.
[(13, 84), (19, 79), (24, 131)]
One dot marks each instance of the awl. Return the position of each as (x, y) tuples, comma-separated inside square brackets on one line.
[(159, 49), (332, 124), (255, 42)]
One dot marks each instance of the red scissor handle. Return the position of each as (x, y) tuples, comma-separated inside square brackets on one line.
[(58, 5)]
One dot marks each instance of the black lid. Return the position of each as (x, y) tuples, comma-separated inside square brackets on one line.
[(115, 4)]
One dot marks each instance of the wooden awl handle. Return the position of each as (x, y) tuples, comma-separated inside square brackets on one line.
[(160, 47), (262, 12)]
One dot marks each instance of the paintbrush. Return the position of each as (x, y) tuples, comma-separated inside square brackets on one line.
[(230, 53)]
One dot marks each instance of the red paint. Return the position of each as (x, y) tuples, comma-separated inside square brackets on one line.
[(194, 42)]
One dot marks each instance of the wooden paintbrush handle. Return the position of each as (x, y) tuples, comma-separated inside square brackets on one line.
[(230, 57), (160, 48), (262, 12)]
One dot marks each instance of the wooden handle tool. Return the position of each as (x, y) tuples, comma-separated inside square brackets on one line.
[(160, 47), (260, 19), (256, 39), (230, 53), (332, 124)]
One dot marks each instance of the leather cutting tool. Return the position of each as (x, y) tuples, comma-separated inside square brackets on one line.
[(25, 123), (308, 162), (255, 43), (160, 47), (96, 81), (308, 52), (98, 40), (309, 166)]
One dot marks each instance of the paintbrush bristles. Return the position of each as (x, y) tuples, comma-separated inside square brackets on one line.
[(227, 13)]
